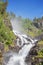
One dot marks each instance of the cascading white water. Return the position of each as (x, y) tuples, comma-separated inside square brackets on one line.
[(19, 59)]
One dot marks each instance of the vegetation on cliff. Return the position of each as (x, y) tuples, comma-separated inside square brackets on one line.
[(7, 36)]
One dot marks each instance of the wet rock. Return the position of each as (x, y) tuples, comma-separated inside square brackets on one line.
[(1, 52), (15, 48), (30, 56), (1, 58), (34, 51)]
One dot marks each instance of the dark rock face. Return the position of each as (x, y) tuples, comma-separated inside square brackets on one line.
[(1, 53), (39, 24), (1, 47), (32, 53), (14, 49)]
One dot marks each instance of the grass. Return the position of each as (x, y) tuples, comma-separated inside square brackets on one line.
[(41, 57), (6, 48), (40, 42), (32, 34)]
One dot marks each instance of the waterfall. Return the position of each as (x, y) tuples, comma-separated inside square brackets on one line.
[(26, 43), (19, 59), (25, 50)]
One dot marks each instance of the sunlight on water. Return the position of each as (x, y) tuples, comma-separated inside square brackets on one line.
[(19, 59)]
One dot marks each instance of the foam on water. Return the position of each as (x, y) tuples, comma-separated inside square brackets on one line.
[(26, 43), (19, 59)]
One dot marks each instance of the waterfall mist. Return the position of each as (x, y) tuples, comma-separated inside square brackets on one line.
[(16, 24)]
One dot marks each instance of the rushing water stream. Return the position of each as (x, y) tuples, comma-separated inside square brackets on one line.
[(26, 43), (19, 59)]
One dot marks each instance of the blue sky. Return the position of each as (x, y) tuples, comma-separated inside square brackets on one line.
[(26, 8)]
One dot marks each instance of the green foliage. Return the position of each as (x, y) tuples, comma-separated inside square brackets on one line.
[(40, 53), (27, 23), (29, 28), (40, 42), (5, 33), (8, 42), (3, 6)]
